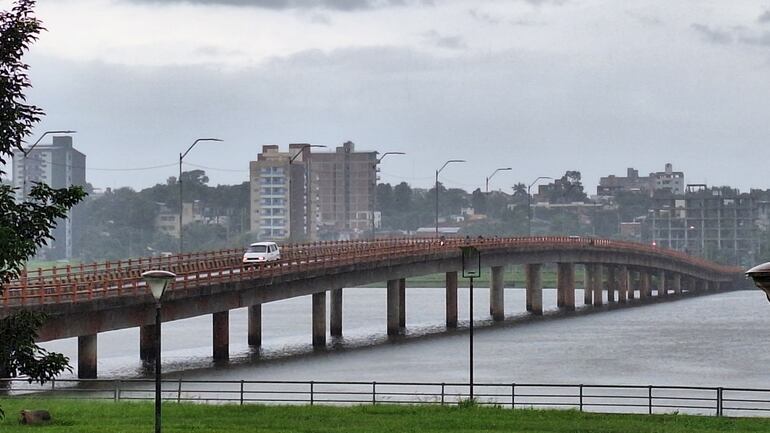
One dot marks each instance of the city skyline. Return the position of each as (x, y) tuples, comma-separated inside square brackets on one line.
[(542, 86)]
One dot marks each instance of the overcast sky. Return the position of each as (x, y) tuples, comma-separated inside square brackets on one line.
[(543, 86)]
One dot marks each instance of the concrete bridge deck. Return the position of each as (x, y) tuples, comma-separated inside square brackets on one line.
[(83, 302)]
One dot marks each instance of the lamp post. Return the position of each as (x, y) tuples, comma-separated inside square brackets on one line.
[(493, 173), (157, 281), (181, 206), (471, 269), (29, 149), (374, 191), (529, 203), (437, 172), (308, 201)]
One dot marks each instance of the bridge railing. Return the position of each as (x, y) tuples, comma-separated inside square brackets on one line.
[(641, 399), (198, 269)]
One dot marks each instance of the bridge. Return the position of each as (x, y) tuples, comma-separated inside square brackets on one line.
[(84, 300)]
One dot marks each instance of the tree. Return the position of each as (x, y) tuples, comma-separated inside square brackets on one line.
[(27, 225)]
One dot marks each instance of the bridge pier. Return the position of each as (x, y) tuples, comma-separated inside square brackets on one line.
[(451, 299), (255, 325), (662, 287), (402, 303), (534, 288), (623, 283), (612, 283), (644, 284), (594, 282), (565, 286), (393, 313), (147, 343), (220, 323), (633, 282), (676, 283), (335, 313), (319, 319), (87, 356), (497, 294)]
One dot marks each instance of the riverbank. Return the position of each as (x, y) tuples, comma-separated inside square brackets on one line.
[(93, 416)]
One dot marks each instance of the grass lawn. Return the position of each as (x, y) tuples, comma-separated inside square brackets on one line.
[(88, 416)]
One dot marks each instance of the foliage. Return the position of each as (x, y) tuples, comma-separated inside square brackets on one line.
[(27, 225)]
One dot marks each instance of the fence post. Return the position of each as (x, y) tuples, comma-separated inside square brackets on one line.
[(513, 396), (374, 393), (53, 384), (179, 391), (649, 399), (442, 393), (116, 396), (720, 403), (241, 392), (581, 397), (311, 392)]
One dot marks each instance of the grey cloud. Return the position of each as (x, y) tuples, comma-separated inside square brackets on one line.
[(765, 17), (646, 19), (711, 35), (338, 5), (762, 40), (441, 41), (484, 16)]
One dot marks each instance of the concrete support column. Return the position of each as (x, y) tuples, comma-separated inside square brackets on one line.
[(254, 325), (394, 289), (595, 280), (402, 303), (335, 312), (451, 299), (220, 323), (612, 283), (534, 288), (623, 283), (87, 356), (676, 283), (497, 294), (662, 287), (644, 284), (319, 319), (147, 343), (565, 286), (633, 283), (588, 296)]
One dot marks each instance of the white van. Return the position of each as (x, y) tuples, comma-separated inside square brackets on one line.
[(262, 252)]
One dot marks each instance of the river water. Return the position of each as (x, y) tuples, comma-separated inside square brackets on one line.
[(716, 340)]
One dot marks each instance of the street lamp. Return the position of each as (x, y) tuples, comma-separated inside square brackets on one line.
[(761, 276), (471, 269), (308, 201), (157, 281), (437, 172), (29, 149), (181, 207), (529, 203), (493, 173), (374, 192)]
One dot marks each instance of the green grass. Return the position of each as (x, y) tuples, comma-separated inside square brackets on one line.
[(88, 416)]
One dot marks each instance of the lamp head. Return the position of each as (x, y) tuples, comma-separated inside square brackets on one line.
[(471, 261), (158, 280), (761, 276)]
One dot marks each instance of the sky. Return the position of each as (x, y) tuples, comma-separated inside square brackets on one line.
[(542, 86)]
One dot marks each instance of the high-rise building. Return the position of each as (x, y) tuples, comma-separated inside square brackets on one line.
[(278, 199), (346, 182), (58, 165)]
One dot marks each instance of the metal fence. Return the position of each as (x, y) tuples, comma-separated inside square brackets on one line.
[(716, 401)]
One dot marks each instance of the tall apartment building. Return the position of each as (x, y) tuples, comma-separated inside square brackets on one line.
[(346, 182), (58, 165), (716, 223), (279, 201)]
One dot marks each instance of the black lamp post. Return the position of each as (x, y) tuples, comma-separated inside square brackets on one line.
[(529, 203), (486, 188), (761, 276), (374, 191), (471, 270), (437, 173), (158, 282)]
